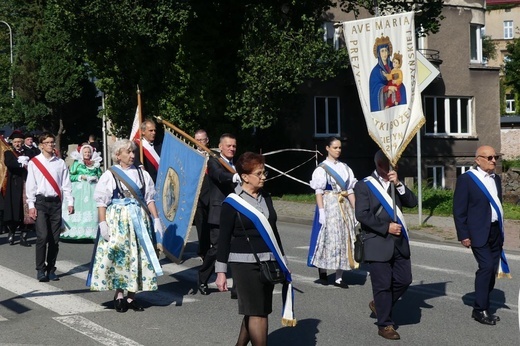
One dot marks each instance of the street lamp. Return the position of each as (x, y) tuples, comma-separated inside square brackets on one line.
[(11, 46)]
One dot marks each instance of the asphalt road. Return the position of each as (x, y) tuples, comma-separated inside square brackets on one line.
[(436, 309)]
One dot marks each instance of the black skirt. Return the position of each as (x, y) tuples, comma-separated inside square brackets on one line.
[(254, 297)]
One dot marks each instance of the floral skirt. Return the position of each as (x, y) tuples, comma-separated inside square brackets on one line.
[(335, 242), (121, 262)]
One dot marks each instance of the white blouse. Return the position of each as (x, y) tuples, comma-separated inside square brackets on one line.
[(107, 184), (320, 178)]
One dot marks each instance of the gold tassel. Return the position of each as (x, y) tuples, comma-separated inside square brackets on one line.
[(503, 275), (288, 323)]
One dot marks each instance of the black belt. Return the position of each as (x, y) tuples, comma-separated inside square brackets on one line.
[(48, 199), (495, 223)]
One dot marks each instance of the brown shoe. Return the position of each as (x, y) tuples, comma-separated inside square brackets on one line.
[(389, 333), (372, 307)]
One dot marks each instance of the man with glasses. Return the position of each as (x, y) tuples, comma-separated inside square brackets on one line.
[(48, 183), (221, 183), (477, 212), (201, 213)]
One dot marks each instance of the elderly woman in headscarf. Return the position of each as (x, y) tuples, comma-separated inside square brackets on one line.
[(84, 174), (124, 258)]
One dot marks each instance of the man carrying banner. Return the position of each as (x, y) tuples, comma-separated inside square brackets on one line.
[(48, 182), (478, 216), (201, 214), (221, 183), (386, 246), (151, 149)]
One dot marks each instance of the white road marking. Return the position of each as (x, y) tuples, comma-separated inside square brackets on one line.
[(45, 294), (95, 331)]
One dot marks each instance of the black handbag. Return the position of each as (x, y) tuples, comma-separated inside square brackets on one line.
[(270, 271), (358, 248)]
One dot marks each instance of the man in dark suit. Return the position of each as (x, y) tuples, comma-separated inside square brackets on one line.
[(16, 162), (386, 246), (221, 183), (201, 213), (478, 226), (151, 149), (29, 147)]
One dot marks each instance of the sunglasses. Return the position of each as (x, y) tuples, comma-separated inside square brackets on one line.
[(490, 157)]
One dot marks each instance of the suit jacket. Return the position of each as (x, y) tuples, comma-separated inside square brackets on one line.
[(472, 211), (147, 164), (220, 185), (379, 245)]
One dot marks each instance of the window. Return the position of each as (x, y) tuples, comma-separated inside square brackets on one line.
[(328, 34), (508, 29), (435, 176), (451, 116), (326, 116), (462, 169), (476, 43), (510, 103)]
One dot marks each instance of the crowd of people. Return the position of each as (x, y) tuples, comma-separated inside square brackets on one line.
[(236, 222)]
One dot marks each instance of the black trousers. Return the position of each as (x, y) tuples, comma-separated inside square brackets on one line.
[(48, 227), (390, 280), (488, 259), (208, 265), (203, 229)]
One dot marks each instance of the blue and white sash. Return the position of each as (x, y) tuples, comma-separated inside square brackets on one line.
[(385, 200), (264, 228), (335, 175), (494, 201)]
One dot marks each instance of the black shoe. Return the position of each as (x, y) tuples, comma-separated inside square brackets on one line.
[(340, 284), (52, 275), (204, 289), (134, 305), (41, 276), (24, 242), (11, 238), (483, 317), (120, 305)]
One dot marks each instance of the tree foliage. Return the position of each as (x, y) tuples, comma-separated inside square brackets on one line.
[(219, 64), (428, 14), (512, 65)]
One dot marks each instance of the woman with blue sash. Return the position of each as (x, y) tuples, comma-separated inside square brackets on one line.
[(124, 257), (333, 230), (239, 238)]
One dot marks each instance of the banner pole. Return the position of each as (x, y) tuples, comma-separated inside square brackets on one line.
[(392, 192), (194, 141), (139, 107)]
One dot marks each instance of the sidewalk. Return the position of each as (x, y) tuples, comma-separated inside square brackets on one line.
[(435, 228)]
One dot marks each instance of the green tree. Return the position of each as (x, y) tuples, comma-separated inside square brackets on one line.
[(512, 65), (49, 75)]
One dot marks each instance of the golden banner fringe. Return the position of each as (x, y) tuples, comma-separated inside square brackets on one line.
[(504, 276), (288, 323)]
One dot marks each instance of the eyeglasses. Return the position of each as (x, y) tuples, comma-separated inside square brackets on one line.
[(259, 175), (202, 140), (490, 157), (49, 143)]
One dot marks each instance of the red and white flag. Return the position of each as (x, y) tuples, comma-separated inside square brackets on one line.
[(148, 150)]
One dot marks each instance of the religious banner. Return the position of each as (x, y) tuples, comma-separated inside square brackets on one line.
[(383, 59), (179, 178)]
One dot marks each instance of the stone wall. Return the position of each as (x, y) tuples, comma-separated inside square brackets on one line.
[(510, 149), (511, 185)]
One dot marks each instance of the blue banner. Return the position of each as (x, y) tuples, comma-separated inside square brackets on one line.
[(179, 178)]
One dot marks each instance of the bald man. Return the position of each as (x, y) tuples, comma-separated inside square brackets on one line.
[(478, 225)]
